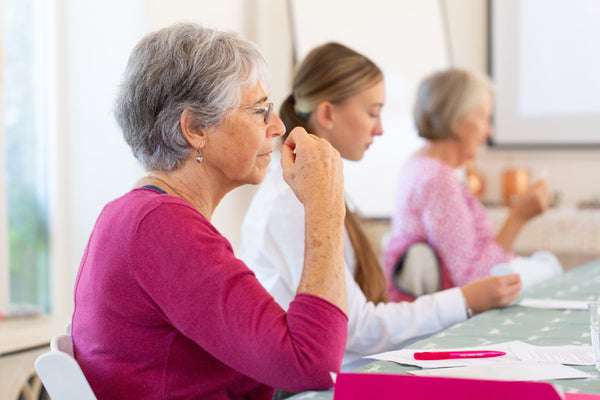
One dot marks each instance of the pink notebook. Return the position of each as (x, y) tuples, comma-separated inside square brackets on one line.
[(356, 386)]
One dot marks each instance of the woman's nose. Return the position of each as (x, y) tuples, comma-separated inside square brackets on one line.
[(276, 125), (378, 130)]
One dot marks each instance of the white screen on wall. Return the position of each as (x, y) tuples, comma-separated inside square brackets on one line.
[(545, 62)]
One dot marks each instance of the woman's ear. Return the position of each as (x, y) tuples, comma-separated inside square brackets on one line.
[(324, 115), (195, 136)]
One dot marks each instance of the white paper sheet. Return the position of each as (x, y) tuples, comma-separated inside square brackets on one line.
[(515, 371), (516, 351), (554, 304), (571, 355)]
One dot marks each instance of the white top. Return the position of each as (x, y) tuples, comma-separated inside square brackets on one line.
[(273, 247)]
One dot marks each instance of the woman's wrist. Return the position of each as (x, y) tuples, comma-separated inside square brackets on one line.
[(468, 309), (515, 218)]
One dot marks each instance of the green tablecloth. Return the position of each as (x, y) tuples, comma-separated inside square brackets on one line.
[(535, 326)]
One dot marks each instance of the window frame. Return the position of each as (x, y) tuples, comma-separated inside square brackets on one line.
[(4, 270), (50, 14)]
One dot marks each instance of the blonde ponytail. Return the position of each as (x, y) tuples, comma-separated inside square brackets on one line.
[(368, 274)]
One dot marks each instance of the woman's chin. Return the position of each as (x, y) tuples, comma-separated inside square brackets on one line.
[(354, 157), (256, 177)]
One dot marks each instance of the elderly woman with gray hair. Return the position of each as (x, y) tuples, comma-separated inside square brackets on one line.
[(163, 308), (453, 111)]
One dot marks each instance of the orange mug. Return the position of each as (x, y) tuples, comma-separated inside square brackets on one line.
[(514, 181)]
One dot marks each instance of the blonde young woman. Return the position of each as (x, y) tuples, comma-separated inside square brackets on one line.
[(338, 95)]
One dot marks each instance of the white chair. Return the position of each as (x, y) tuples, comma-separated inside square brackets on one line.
[(418, 271), (61, 375)]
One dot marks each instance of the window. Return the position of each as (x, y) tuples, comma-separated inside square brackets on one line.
[(26, 131)]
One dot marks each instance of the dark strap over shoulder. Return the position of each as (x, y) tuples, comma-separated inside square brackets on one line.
[(155, 188)]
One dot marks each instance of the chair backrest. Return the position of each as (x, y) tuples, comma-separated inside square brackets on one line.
[(68, 328), (418, 271), (61, 375)]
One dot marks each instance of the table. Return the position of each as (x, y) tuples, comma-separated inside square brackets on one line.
[(535, 326)]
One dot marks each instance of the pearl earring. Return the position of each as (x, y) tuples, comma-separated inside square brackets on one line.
[(199, 158)]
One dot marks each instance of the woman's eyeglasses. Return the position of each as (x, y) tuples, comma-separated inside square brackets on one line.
[(266, 110)]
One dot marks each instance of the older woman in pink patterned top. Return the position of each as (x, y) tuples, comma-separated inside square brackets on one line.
[(453, 111)]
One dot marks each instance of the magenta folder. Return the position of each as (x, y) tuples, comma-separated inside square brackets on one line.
[(356, 386)]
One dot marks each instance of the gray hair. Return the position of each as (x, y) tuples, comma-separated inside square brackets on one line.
[(182, 67), (445, 97)]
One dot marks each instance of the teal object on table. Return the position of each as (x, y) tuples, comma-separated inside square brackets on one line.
[(540, 327)]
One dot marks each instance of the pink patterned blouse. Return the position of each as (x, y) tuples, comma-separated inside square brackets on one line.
[(434, 206)]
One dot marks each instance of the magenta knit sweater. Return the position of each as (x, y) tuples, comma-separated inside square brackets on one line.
[(164, 310)]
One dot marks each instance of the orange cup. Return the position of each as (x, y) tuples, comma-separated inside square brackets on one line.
[(514, 181)]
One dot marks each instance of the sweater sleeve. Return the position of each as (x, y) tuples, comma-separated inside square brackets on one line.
[(191, 275), (460, 235)]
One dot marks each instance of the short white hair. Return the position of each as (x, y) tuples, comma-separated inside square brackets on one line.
[(182, 67), (446, 96)]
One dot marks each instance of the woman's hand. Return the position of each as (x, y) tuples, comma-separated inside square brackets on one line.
[(314, 171), (532, 202), (492, 292), (525, 206)]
